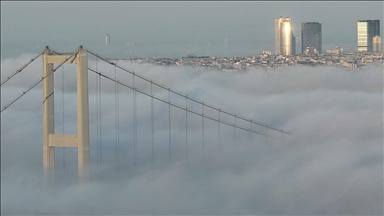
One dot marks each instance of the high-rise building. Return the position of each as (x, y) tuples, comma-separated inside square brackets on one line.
[(376, 44), (285, 43), (366, 31), (311, 36), (293, 42)]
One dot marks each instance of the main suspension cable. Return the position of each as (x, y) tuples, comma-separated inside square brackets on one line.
[(22, 68), (36, 83), (175, 105), (183, 95)]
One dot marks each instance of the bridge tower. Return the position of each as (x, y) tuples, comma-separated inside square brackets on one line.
[(79, 140)]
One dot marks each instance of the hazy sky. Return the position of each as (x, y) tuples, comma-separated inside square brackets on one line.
[(63, 24)]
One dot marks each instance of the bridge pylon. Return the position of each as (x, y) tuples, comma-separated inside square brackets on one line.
[(79, 140)]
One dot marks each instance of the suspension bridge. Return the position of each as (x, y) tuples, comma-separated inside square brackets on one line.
[(134, 85)]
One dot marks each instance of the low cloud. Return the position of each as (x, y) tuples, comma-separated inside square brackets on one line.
[(333, 164)]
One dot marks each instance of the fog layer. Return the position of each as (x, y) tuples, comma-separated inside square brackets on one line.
[(333, 164)]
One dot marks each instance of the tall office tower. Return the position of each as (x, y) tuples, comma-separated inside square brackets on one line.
[(311, 36), (293, 43), (366, 30), (376, 44), (283, 36)]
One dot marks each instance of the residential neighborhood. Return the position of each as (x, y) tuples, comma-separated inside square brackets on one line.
[(266, 60)]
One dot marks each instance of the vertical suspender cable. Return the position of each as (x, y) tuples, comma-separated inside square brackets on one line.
[(234, 131), (134, 125), (281, 134), (62, 84), (218, 130), (202, 129), (153, 127), (100, 119), (97, 118), (169, 124), (186, 128), (250, 134), (118, 128), (116, 125)]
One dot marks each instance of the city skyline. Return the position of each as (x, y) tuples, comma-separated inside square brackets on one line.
[(368, 36), (163, 135), (166, 29)]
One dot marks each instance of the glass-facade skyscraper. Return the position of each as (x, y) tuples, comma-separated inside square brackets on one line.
[(311, 36), (284, 37), (366, 31)]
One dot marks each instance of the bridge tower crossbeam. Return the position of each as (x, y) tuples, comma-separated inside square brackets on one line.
[(79, 140)]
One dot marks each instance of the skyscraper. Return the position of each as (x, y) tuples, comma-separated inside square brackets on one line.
[(293, 42), (284, 37), (366, 31), (376, 44), (311, 36)]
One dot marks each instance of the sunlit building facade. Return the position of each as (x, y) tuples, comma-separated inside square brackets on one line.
[(366, 31), (285, 42), (311, 36), (376, 43)]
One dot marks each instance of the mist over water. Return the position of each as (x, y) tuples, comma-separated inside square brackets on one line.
[(333, 164)]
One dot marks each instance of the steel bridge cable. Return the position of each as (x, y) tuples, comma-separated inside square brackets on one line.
[(218, 129), (97, 118), (152, 128), (175, 105), (169, 125), (118, 128), (116, 124), (22, 68), (183, 95), (186, 128), (202, 129), (250, 135), (134, 127), (234, 133), (36, 83), (197, 101), (100, 111), (62, 84)]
